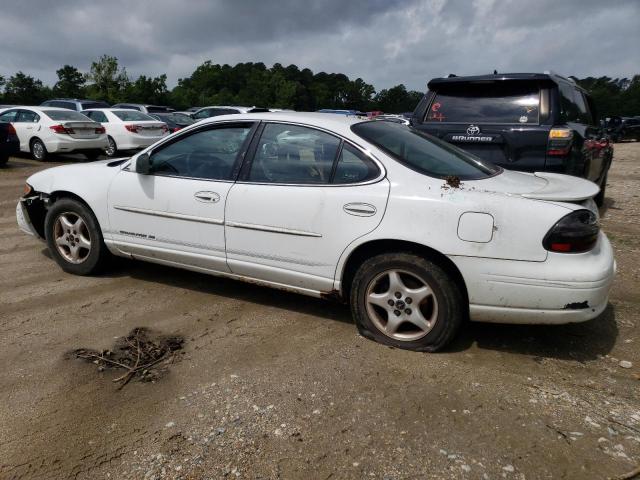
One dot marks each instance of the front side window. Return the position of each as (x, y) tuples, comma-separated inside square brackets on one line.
[(499, 103), (208, 154), (292, 154), (424, 153), (9, 116)]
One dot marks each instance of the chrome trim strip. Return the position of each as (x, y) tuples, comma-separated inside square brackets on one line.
[(177, 216), (266, 228)]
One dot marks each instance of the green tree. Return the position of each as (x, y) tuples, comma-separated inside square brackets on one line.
[(148, 90), (22, 89), (70, 82), (108, 81)]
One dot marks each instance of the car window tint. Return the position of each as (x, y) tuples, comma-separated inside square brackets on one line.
[(509, 103), (209, 154), (293, 154), (9, 116), (132, 116), (97, 116), (27, 116), (572, 104), (65, 115), (354, 166), (87, 105), (424, 153)]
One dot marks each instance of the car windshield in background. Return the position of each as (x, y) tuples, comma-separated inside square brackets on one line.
[(132, 116), (66, 115), (424, 153), (495, 102), (88, 105)]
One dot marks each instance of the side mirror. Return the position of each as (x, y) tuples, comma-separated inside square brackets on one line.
[(144, 164)]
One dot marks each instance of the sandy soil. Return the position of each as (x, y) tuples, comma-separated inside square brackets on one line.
[(275, 385)]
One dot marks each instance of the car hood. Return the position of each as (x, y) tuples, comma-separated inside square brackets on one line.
[(538, 185), (85, 175)]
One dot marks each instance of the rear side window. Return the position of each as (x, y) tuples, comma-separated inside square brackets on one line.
[(292, 154), (424, 153), (88, 105), (66, 115), (132, 116), (97, 116), (574, 107), (507, 102), (354, 167), (27, 116)]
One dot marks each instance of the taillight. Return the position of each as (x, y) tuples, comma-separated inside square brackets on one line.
[(11, 130), (574, 233), (101, 130), (62, 129), (165, 129), (132, 128), (175, 129), (560, 140)]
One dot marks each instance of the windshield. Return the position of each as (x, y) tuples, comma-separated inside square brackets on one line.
[(506, 102), (424, 153), (132, 116), (64, 115)]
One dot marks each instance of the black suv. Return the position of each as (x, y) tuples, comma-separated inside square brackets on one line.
[(623, 128), (520, 121)]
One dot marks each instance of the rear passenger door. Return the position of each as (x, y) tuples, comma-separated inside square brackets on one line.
[(304, 196), (26, 125)]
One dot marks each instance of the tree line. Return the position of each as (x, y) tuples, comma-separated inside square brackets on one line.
[(256, 84)]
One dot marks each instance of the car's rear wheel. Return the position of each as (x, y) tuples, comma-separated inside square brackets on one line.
[(112, 149), (38, 150), (74, 237), (406, 301)]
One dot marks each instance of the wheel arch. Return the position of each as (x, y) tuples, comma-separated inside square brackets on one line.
[(379, 246), (38, 209)]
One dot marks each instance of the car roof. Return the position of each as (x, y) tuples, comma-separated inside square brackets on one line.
[(497, 77)]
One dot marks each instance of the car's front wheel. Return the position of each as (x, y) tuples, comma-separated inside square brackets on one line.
[(406, 301), (74, 237), (38, 150)]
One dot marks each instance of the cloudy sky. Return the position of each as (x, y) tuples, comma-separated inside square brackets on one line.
[(385, 42)]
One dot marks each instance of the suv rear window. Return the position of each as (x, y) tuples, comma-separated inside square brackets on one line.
[(424, 153), (500, 102)]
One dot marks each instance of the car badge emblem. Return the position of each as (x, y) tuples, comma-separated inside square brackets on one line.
[(473, 130)]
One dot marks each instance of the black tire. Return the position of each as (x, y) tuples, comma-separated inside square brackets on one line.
[(98, 253), (93, 154), (599, 198), (451, 306), (112, 151), (38, 150)]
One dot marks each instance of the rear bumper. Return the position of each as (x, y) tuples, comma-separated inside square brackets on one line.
[(136, 142), (565, 288), (66, 144)]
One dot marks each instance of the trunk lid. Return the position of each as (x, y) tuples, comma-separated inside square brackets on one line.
[(539, 186), (82, 129), (147, 128)]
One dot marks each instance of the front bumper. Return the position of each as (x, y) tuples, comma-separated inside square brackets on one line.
[(24, 222), (565, 288)]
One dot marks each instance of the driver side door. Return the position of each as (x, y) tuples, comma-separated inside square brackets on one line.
[(175, 213)]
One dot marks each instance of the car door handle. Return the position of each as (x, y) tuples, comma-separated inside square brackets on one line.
[(360, 209), (207, 197)]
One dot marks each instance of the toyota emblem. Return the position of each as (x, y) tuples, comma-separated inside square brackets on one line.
[(473, 130)]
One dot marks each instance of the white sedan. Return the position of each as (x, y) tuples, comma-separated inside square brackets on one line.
[(415, 234), (45, 130), (127, 129)]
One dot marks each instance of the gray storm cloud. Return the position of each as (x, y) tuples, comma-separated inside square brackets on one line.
[(384, 42)]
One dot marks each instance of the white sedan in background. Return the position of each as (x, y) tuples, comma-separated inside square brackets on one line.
[(45, 130), (416, 234), (127, 129)]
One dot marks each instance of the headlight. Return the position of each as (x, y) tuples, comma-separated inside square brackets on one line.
[(27, 190)]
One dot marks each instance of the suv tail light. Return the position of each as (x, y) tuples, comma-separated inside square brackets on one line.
[(132, 128), (574, 233), (62, 129), (560, 140)]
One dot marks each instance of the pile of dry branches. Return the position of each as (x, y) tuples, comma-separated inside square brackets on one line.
[(140, 354)]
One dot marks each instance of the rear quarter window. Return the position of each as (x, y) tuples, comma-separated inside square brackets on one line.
[(498, 103)]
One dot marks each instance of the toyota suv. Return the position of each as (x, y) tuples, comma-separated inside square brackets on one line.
[(521, 121)]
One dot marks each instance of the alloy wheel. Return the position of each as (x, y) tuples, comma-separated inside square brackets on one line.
[(71, 237)]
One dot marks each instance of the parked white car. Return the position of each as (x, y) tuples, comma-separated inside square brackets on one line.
[(127, 129), (414, 233), (217, 110), (45, 130)]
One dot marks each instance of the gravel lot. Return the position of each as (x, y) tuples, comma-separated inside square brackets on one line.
[(275, 385)]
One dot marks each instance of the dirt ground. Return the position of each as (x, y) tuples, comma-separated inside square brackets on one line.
[(276, 385)]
